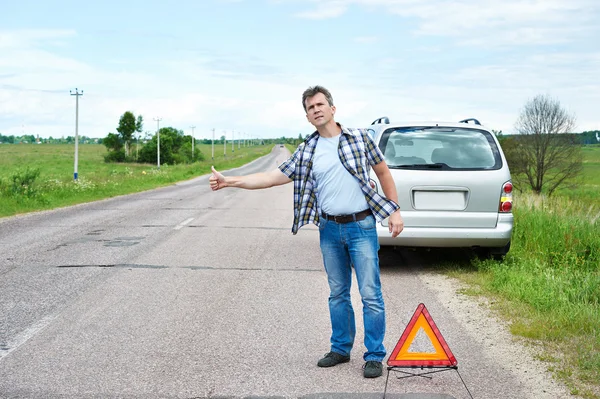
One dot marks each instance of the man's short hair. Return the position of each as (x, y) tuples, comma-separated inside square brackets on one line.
[(312, 91)]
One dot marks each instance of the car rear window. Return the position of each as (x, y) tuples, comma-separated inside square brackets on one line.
[(440, 148)]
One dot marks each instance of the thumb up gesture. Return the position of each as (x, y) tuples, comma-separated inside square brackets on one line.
[(217, 180)]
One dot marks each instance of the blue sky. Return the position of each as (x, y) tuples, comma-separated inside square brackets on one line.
[(240, 66)]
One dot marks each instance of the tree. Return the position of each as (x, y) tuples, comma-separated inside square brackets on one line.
[(127, 126), (114, 146), (113, 142), (175, 148), (546, 155)]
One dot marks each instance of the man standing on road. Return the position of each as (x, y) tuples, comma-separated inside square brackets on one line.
[(331, 189)]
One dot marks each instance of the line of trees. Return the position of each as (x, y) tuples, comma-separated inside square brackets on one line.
[(590, 137), (31, 139), (587, 137), (175, 146)]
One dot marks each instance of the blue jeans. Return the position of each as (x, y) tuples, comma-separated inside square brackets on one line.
[(344, 246)]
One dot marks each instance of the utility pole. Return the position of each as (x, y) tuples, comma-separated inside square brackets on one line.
[(213, 145), (76, 94), (193, 139), (232, 140), (224, 143), (157, 119)]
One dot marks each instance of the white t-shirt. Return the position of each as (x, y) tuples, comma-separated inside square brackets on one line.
[(338, 192)]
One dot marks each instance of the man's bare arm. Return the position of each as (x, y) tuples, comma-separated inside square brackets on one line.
[(388, 186), (387, 181), (249, 182)]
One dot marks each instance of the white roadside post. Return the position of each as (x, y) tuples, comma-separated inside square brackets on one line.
[(193, 127), (157, 119), (76, 94)]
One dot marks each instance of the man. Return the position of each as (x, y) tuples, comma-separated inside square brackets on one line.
[(331, 189)]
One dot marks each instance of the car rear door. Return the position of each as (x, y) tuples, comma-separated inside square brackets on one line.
[(445, 176)]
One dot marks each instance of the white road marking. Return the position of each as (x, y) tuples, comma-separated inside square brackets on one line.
[(180, 225), (26, 335)]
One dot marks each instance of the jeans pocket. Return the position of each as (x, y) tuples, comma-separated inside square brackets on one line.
[(367, 223)]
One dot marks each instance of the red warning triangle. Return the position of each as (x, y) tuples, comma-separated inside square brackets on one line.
[(441, 355)]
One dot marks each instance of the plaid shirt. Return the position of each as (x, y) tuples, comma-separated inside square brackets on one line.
[(357, 152)]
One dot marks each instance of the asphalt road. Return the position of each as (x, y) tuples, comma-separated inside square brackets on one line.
[(182, 292)]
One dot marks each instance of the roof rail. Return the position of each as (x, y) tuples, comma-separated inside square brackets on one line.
[(383, 119), (470, 120)]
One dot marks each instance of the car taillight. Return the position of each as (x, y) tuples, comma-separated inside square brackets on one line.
[(506, 198)]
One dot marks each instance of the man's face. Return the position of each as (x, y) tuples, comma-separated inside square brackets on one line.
[(318, 110)]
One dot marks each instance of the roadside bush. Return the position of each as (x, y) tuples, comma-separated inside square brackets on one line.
[(21, 184), (115, 156)]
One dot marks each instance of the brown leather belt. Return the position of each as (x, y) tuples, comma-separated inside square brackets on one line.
[(355, 217)]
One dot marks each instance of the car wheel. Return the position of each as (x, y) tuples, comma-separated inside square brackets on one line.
[(496, 253)]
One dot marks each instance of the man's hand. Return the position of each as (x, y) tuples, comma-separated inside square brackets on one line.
[(396, 224), (217, 180)]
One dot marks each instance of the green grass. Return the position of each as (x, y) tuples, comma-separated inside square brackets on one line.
[(587, 189), (548, 286), (55, 187)]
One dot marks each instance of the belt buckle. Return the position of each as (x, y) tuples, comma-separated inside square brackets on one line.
[(342, 218)]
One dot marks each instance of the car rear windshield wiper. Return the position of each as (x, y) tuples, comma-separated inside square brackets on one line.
[(420, 166)]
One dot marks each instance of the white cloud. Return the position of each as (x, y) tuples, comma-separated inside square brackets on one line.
[(325, 10), (493, 22), (33, 37)]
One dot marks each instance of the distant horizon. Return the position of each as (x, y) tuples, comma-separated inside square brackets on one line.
[(218, 138)]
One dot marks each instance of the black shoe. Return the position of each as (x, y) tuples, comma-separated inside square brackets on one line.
[(373, 369), (333, 358)]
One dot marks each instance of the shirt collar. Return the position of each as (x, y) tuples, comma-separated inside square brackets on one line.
[(315, 135)]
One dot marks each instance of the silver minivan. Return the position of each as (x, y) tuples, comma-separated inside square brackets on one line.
[(454, 185)]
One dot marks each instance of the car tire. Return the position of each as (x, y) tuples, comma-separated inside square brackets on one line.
[(496, 253)]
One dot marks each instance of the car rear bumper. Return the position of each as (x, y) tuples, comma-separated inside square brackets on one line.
[(436, 237)]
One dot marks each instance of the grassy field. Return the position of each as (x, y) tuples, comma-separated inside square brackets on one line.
[(37, 177), (548, 287), (588, 187)]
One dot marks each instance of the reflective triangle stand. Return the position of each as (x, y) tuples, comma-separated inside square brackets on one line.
[(425, 374)]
